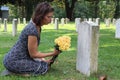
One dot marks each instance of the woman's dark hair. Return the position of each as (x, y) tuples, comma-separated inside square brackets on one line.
[(41, 10)]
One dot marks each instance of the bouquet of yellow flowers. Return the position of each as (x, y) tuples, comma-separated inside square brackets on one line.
[(62, 43)]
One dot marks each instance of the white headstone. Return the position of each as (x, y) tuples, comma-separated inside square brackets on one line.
[(90, 20), (94, 20), (97, 21), (62, 21), (52, 21), (85, 19), (5, 25), (114, 21), (117, 33), (87, 49), (18, 20), (14, 27), (77, 22), (24, 21), (66, 20), (108, 21), (56, 23)]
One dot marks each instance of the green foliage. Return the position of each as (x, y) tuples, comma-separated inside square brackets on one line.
[(84, 9), (117, 10), (12, 11), (59, 9), (107, 9), (59, 3), (80, 10), (91, 9)]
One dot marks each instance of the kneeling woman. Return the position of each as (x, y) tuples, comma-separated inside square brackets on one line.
[(21, 58)]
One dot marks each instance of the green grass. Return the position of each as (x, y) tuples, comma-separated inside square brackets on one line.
[(65, 66)]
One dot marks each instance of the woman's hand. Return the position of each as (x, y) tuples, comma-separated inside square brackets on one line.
[(48, 61), (56, 52), (43, 59)]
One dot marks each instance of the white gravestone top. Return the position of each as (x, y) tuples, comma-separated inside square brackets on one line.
[(117, 33)]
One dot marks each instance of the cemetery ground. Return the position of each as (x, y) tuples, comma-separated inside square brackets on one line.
[(65, 66)]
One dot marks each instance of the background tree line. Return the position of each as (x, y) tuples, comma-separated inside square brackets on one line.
[(66, 8)]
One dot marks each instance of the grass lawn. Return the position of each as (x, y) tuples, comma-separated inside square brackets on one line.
[(65, 66)]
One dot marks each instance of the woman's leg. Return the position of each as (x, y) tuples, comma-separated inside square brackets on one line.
[(27, 66)]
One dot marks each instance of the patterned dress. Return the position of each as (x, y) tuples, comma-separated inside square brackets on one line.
[(18, 60)]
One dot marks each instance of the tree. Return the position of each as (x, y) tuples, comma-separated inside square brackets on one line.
[(81, 9), (69, 6), (107, 9), (96, 8), (30, 5), (59, 8), (117, 10)]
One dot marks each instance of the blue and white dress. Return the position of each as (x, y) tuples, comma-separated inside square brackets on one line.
[(18, 60)]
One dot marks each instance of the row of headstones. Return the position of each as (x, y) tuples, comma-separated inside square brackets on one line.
[(63, 20), (19, 21), (97, 21), (79, 20), (14, 25), (54, 21), (107, 21)]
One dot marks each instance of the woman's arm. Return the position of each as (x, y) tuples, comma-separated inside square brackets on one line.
[(33, 49)]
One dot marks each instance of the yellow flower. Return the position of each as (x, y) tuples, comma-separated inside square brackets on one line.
[(63, 42)]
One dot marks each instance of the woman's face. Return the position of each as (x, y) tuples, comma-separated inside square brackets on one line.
[(47, 18)]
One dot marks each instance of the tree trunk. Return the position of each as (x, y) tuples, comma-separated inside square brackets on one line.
[(23, 11), (30, 5), (0, 12), (28, 9), (117, 9), (96, 9), (69, 9)]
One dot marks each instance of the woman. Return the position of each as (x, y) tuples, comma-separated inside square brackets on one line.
[(21, 58)]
